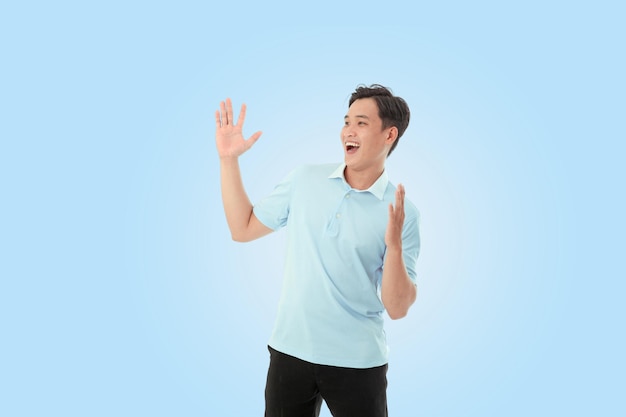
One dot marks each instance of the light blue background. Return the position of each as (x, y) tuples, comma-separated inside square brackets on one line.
[(121, 293)]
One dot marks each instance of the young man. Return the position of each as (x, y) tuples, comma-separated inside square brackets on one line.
[(352, 246)]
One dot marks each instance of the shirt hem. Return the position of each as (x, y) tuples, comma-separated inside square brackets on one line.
[(326, 361)]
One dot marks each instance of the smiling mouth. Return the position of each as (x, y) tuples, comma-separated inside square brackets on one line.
[(352, 146)]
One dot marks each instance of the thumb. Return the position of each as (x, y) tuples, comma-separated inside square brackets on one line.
[(252, 139)]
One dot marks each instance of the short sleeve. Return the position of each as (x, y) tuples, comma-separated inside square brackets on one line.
[(273, 210)]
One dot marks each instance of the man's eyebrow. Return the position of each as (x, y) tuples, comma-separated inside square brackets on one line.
[(362, 116)]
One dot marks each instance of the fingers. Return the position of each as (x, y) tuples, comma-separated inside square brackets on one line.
[(400, 197), (396, 212), (252, 139), (223, 119), (242, 115), (229, 112), (399, 201), (225, 116), (218, 121)]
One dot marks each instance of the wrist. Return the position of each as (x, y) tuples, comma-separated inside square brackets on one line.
[(229, 159), (394, 248)]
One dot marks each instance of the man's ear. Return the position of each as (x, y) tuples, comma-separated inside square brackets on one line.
[(392, 135)]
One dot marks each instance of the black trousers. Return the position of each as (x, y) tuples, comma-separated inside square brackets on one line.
[(296, 388)]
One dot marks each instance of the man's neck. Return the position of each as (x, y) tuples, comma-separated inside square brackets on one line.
[(362, 180)]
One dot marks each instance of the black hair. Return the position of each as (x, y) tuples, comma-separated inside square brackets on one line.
[(392, 110)]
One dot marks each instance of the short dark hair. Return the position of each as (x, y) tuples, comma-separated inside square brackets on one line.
[(392, 110)]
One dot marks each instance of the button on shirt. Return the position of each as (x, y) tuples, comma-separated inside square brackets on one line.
[(330, 311)]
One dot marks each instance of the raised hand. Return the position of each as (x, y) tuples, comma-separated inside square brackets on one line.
[(393, 234), (228, 134)]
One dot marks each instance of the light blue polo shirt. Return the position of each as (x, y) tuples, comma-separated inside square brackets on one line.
[(330, 311)]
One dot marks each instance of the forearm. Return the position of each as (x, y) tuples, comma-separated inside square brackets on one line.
[(398, 291), (237, 206)]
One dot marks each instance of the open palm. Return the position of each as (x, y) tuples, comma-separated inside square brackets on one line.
[(228, 134)]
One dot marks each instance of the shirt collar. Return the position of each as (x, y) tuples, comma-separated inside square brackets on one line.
[(378, 188)]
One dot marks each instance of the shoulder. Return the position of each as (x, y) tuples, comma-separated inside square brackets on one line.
[(410, 210)]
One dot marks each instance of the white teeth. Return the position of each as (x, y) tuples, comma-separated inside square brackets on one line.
[(353, 144)]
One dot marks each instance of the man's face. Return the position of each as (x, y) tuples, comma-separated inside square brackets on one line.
[(365, 142)]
